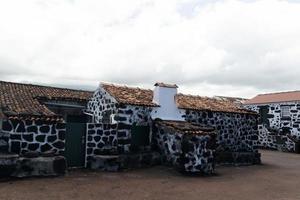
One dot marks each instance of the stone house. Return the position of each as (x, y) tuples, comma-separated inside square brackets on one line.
[(44, 130), (181, 127), (36, 123), (279, 124)]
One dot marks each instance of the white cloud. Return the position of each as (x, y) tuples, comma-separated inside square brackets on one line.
[(225, 47)]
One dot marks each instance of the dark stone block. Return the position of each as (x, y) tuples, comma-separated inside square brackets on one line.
[(53, 130), (59, 144), (60, 165), (15, 136), (16, 147), (124, 126), (105, 139), (91, 132), (113, 126), (28, 122), (100, 145), (107, 133), (28, 137), (21, 128), (129, 112), (62, 135), (33, 146), (98, 125), (44, 129), (254, 137), (97, 138), (113, 132), (210, 114), (45, 147), (89, 138), (32, 129), (39, 122), (51, 138), (91, 126), (91, 144), (122, 134), (40, 138), (6, 126), (89, 151), (60, 126), (24, 145), (99, 132)]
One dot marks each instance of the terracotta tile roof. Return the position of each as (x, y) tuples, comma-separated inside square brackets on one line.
[(130, 95), (23, 99), (211, 104), (142, 97), (185, 127), (160, 84), (275, 97)]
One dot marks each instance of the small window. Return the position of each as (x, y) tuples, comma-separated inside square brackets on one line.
[(285, 111)]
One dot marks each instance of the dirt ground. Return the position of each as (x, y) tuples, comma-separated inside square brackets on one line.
[(277, 178)]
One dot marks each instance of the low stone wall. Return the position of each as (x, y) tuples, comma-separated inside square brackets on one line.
[(11, 165), (115, 163), (40, 166), (8, 164), (4, 139), (101, 139), (185, 152), (34, 136)]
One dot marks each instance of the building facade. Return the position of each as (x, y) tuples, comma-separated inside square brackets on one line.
[(135, 111), (279, 123)]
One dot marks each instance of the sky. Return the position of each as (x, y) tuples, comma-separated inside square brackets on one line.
[(207, 47)]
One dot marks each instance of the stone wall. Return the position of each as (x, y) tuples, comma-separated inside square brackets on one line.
[(278, 132), (187, 153), (4, 138), (235, 132), (101, 139), (100, 103), (34, 136), (124, 116)]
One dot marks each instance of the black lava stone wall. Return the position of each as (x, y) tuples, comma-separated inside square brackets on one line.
[(188, 153), (35, 136), (107, 139), (277, 131), (4, 138), (101, 103), (235, 132)]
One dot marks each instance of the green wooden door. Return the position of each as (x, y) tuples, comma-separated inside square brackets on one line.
[(140, 136), (75, 144)]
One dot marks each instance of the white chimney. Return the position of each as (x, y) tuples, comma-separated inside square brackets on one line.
[(164, 95)]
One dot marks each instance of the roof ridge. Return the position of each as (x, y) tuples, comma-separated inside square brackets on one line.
[(44, 86), (194, 95), (124, 86), (292, 91)]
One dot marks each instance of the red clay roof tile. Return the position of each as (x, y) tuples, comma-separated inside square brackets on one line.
[(142, 97), (274, 98), (23, 99)]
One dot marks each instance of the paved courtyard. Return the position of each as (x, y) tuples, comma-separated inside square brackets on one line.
[(278, 178)]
